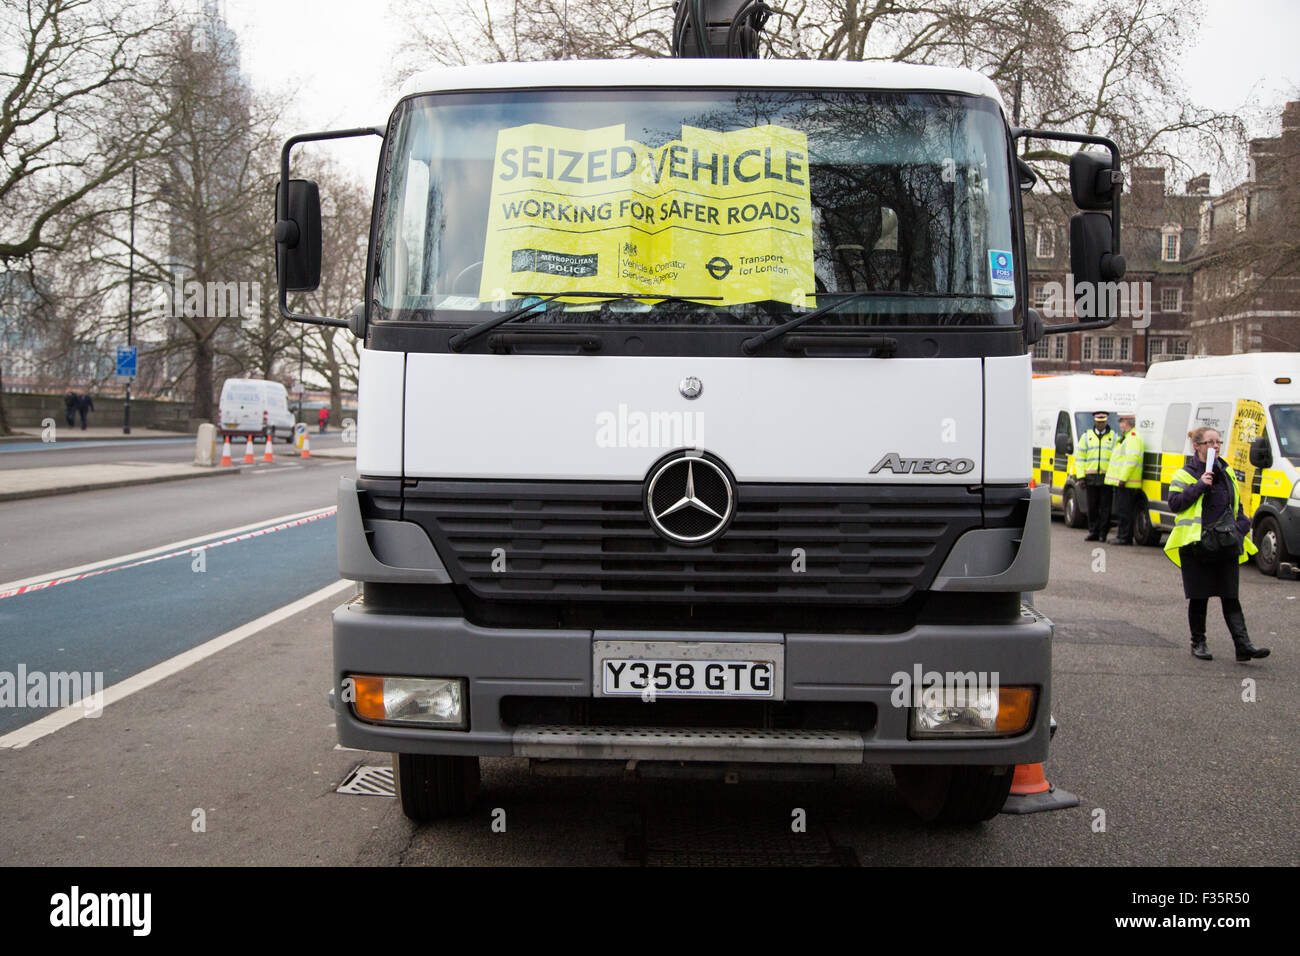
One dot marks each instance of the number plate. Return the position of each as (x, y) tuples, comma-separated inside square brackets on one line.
[(688, 669)]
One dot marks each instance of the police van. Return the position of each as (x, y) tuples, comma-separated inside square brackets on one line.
[(1253, 401), (1063, 409), (695, 421)]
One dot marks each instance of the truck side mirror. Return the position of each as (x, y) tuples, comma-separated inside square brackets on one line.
[(1091, 256), (1095, 258), (298, 239), (1092, 180), (1261, 455), (1064, 443)]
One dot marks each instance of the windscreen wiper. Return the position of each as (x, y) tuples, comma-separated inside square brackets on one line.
[(461, 339), (756, 342)]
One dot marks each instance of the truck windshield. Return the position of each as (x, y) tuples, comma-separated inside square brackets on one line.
[(768, 202), (1286, 419)]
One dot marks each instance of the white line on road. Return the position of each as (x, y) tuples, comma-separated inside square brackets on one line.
[(233, 539), (146, 678), (149, 552)]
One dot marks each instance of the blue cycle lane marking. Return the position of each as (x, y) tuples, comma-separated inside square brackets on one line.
[(125, 621)]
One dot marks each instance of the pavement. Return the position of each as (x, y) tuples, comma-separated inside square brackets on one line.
[(92, 433), (36, 469), (341, 452), (16, 483)]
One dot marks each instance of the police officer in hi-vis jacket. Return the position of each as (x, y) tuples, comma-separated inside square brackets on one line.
[(1091, 460), (1125, 476)]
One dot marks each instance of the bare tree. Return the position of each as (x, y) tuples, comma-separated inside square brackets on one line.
[(1103, 66), (201, 259), (78, 105), (78, 109)]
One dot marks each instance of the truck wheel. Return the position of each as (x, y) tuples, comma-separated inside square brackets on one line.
[(953, 794), (432, 787), (1144, 532), (1070, 509), (1269, 541)]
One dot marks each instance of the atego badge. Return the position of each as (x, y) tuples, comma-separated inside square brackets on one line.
[(923, 466)]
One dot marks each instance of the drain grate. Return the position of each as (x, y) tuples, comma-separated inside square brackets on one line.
[(696, 837), (369, 782)]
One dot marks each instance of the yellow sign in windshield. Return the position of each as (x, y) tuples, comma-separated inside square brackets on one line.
[(712, 214)]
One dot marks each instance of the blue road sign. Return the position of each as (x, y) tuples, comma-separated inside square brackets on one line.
[(126, 356)]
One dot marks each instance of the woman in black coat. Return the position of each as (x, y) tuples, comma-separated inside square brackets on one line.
[(1207, 575)]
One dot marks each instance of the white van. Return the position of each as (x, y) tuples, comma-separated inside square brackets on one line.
[(253, 406), (1253, 400), (1063, 406)]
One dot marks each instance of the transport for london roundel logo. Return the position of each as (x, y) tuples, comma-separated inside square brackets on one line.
[(718, 267)]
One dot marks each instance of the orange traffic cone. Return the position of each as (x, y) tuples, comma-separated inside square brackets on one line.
[(267, 457), (225, 453), (248, 451), (306, 445), (1031, 793)]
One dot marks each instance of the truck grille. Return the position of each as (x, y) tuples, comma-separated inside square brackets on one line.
[(588, 541)]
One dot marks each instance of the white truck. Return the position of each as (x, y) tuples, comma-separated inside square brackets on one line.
[(694, 426)]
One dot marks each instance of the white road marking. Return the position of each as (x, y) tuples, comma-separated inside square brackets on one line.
[(186, 552), (149, 552), (146, 678)]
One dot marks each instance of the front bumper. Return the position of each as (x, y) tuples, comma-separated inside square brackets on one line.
[(517, 662)]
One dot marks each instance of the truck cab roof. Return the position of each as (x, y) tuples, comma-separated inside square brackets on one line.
[(703, 73)]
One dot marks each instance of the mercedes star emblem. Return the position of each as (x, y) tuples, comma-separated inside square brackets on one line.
[(691, 387), (689, 499)]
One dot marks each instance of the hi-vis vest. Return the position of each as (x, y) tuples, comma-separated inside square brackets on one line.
[(1126, 462), (1093, 454), (1187, 526)]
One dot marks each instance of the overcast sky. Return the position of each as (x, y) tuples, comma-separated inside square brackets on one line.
[(331, 60)]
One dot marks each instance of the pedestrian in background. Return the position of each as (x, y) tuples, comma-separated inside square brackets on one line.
[(84, 404), (1211, 537), (1124, 476), (1090, 463), (70, 407), (324, 419)]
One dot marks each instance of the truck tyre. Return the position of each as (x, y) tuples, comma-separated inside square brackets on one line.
[(953, 794), (1144, 532), (1070, 508), (1269, 541), (433, 787)]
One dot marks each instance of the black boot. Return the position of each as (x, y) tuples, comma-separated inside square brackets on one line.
[(1199, 649), (1237, 628)]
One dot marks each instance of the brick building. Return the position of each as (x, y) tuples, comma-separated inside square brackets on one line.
[(1160, 236), (1201, 268), (1247, 271)]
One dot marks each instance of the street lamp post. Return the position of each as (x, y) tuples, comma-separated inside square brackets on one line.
[(130, 306)]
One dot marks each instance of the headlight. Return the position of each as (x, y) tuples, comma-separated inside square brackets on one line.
[(431, 701), (1000, 712)]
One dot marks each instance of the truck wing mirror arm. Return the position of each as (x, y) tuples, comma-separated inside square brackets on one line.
[(1095, 186), (297, 230)]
